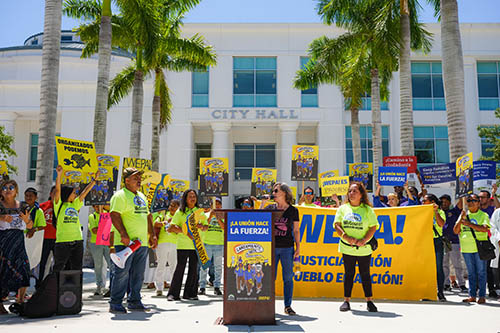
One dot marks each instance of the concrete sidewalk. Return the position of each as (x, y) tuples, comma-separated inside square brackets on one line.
[(313, 316)]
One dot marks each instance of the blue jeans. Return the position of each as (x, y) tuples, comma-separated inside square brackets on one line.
[(100, 254), (132, 274), (214, 252), (439, 251), (285, 254), (476, 269)]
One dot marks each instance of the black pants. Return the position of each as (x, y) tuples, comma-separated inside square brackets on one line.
[(48, 246), (70, 253), (191, 286), (350, 271)]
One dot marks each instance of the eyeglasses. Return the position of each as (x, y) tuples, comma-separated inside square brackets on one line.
[(8, 188), (472, 200), (308, 193)]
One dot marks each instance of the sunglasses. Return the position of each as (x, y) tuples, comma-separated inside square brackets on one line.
[(8, 188), (308, 193), (472, 200), (275, 190), (246, 205)]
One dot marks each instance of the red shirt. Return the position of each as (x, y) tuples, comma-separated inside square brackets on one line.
[(50, 231)]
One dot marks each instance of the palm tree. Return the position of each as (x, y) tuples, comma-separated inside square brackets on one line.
[(173, 53), (84, 9), (453, 75), (48, 95)]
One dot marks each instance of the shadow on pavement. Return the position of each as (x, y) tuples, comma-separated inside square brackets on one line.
[(13, 319), (280, 327), (380, 314), (297, 317)]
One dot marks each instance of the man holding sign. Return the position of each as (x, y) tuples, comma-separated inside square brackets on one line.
[(132, 220)]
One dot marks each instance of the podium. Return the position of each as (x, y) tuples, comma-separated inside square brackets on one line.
[(249, 270)]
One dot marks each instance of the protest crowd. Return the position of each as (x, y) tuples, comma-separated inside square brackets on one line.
[(151, 249)]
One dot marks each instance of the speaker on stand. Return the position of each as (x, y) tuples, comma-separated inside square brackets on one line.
[(69, 296)]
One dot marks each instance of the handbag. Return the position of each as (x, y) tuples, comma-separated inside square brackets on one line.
[(446, 242), (485, 249), (373, 243)]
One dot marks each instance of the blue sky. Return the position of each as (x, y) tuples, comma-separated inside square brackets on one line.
[(20, 19)]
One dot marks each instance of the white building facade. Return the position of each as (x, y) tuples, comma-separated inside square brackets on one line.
[(246, 108)]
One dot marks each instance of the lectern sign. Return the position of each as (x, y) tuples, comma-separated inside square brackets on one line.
[(249, 256)]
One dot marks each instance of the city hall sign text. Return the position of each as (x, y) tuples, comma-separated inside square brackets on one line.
[(250, 114)]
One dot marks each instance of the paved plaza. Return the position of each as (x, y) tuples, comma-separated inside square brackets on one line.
[(314, 316)]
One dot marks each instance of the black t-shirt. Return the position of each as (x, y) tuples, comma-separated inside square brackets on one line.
[(283, 227)]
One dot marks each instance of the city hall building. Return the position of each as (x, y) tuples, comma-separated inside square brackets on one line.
[(245, 108)]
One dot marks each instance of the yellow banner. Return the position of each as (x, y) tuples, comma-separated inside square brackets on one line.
[(139, 164), (76, 155), (149, 181), (334, 185), (403, 267)]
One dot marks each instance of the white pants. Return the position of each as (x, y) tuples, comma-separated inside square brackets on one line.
[(456, 260), (165, 253)]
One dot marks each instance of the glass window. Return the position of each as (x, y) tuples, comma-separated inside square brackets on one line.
[(203, 150), (431, 144), (488, 82), (427, 86), (254, 82), (34, 157), (365, 133), (199, 98), (248, 156), (309, 97)]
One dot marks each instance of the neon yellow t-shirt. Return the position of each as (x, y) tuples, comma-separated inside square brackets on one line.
[(436, 226), (134, 212), (164, 236), (39, 221), (467, 241), (356, 221), (214, 235), (179, 219), (93, 223), (68, 226)]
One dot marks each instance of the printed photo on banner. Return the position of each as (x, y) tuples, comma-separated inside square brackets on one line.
[(334, 185), (76, 155), (177, 188), (262, 181), (396, 272), (392, 176), (409, 162), (485, 174), (161, 194), (248, 257), (363, 173), (76, 179), (438, 175), (138, 163), (329, 174), (464, 176), (214, 176), (205, 201), (106, 184), (4, 171), (305, 162)]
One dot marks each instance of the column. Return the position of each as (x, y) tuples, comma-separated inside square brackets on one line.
[(288, 131), (220, 148)]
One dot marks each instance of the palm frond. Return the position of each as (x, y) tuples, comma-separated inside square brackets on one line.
[(193, 49), (121, 85), (83, 9), (165, 101)]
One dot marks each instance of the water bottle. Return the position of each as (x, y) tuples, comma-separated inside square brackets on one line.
[(296, 265)]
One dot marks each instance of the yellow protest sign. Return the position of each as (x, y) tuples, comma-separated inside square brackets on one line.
[(214, 176), (177, 187), (305, 162), (262, 181), (464, 173), (76, 155), (149, 181), (107, 181), (402, 268), (329, 174), (138, 163), (363, 173), (334, 185), (4, 171)]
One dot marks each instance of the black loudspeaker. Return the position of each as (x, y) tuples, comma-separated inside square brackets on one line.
[(69, 296)]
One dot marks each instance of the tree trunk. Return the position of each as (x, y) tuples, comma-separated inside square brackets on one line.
[(356, 141), (103, 69), (405, 93), (376, 122), (48, 96), (453, 78), (155, 136), (136, 124)]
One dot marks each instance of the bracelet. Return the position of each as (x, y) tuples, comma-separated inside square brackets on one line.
[(111, 247)]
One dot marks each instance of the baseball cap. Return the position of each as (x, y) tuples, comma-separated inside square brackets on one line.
[(131, 171)]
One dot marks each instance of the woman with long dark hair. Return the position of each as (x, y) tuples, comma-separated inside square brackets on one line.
[(356, 223), (185, 248), (14, 264)]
